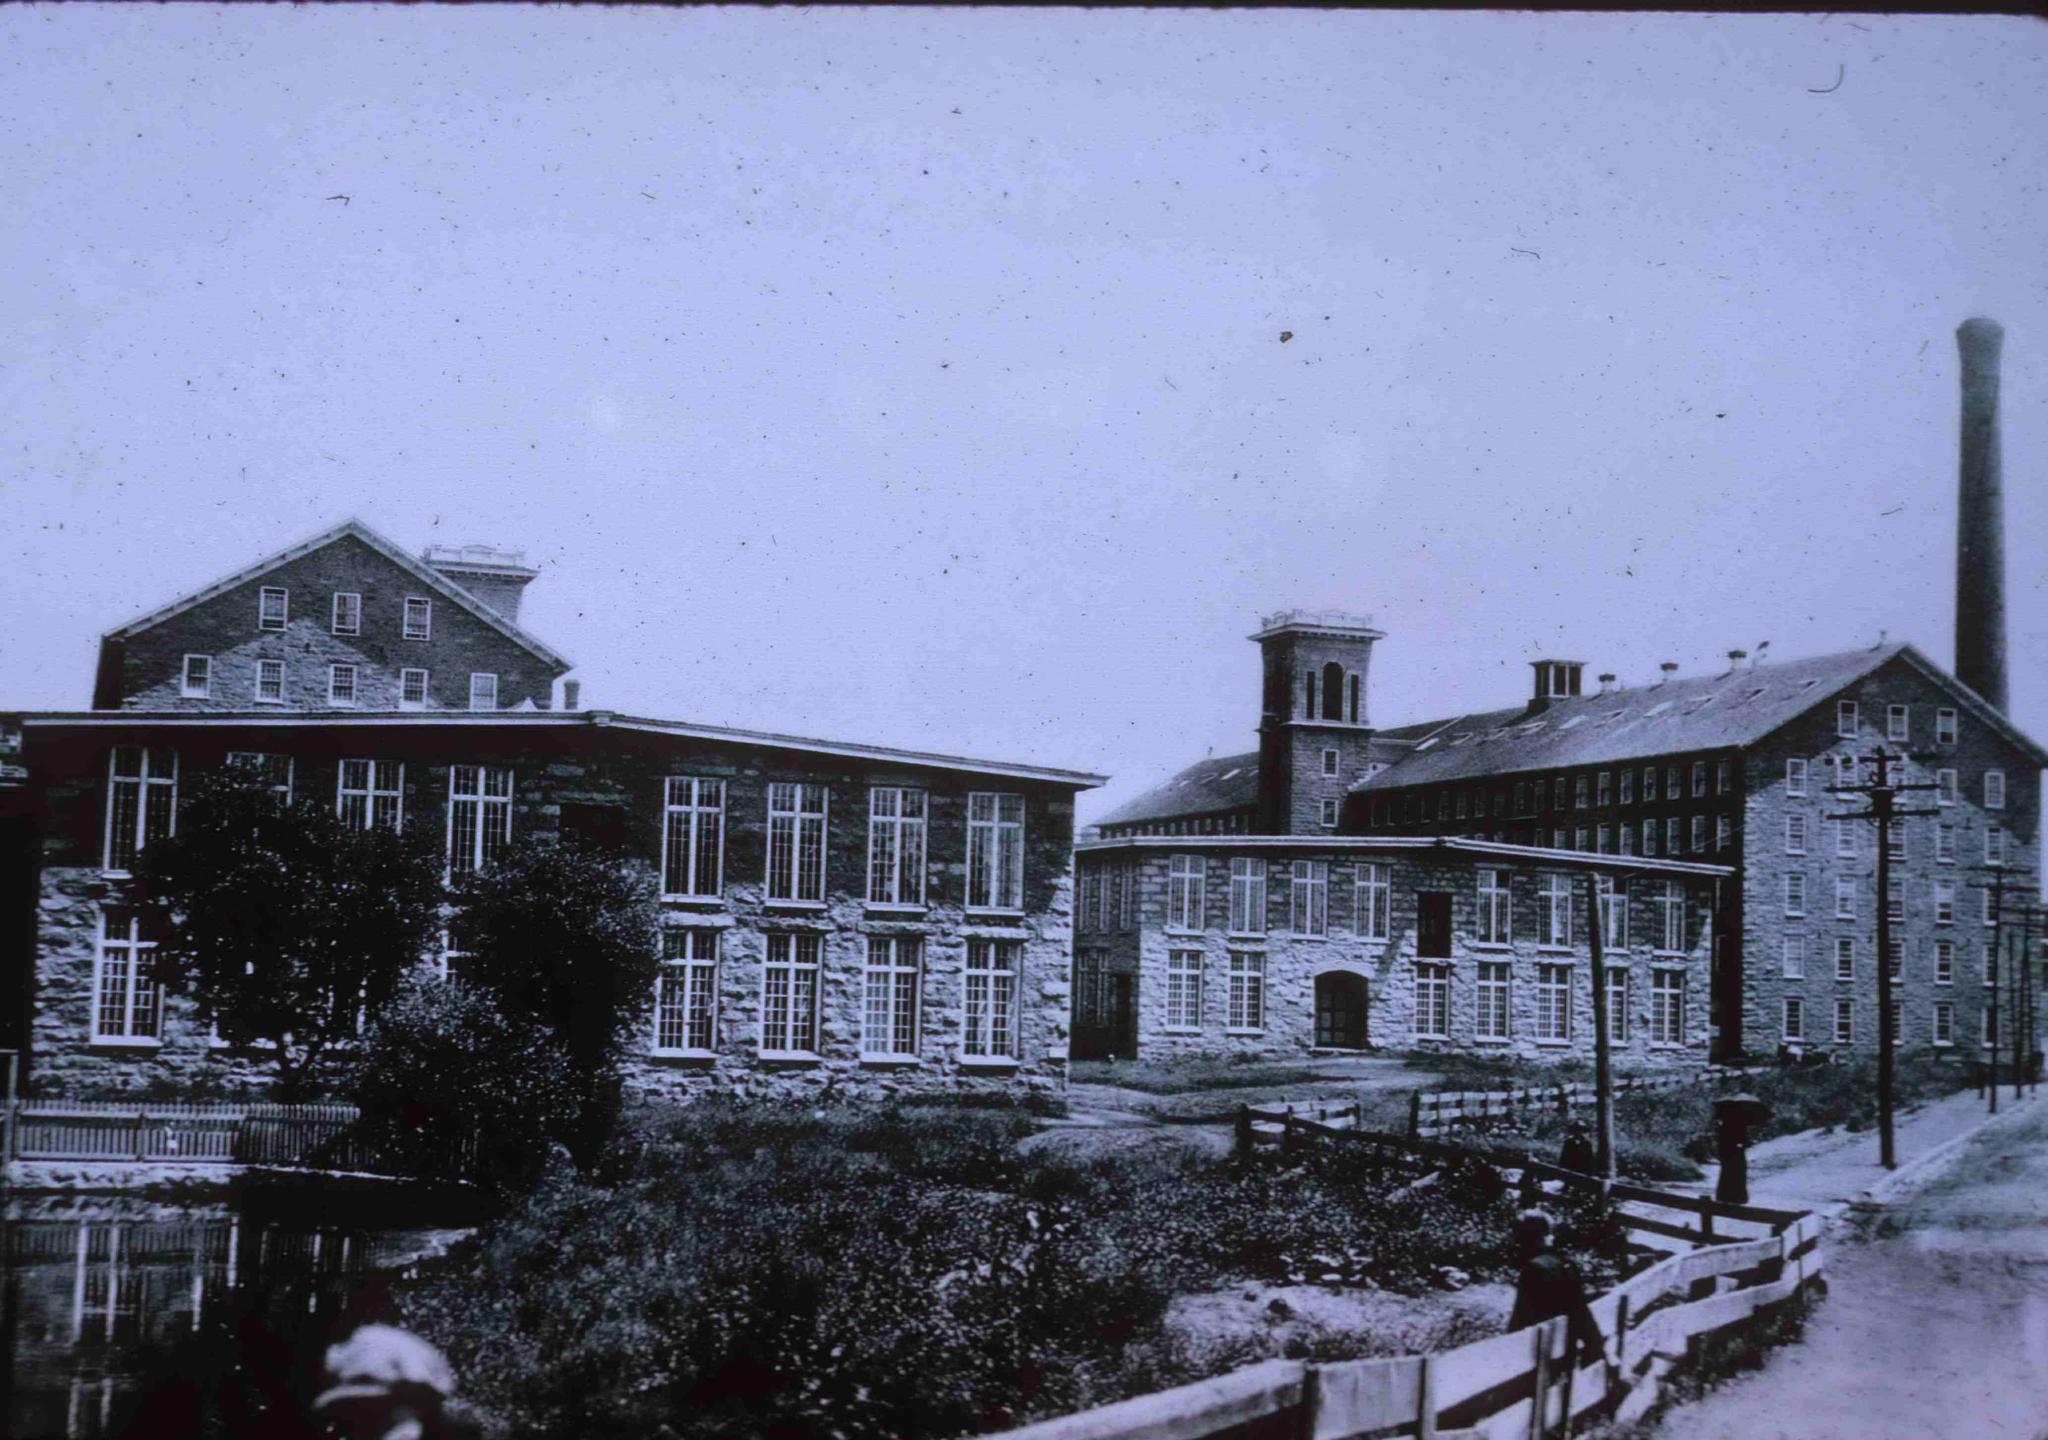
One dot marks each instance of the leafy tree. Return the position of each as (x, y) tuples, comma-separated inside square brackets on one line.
[(284, 925), (562, 933)]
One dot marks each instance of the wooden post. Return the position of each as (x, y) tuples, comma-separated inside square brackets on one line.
[(1540, 1401), (1244, 1130), (1706, 1222), (1415, 1115), (1425, 1402), (1620, 1366), (142, 1133)]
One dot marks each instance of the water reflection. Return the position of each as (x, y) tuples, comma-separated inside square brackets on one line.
[(126, 1318)]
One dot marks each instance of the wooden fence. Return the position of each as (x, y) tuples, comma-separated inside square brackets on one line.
[(1523, 1385), (1437, 1112), (169, 1133)]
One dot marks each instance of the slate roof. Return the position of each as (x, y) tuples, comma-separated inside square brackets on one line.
[(1705, 712), (1229, 782)]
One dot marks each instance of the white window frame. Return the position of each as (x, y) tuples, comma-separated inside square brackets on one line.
[(1795, 833), (155, 797), (1432, 999), (1329, 760), (990, 1032), (200, 688), (1845, 949), (1496, 906), (265, 619), (1183, 990), (1795, 894), (1246, 1014), (1308, 898), (1671, 915), (892, 997), (1617, 1004), (1793, 957), (1848, 719), (1845, 897), (692, 837), (1994, 845), (341, 686), (1613, 900), (377, 797), (1327, 813), (479, 815), (1667, 1007), (686, 993), (265, 671), (1794, 1018), (1944, 1033), (345, 614), (1699, 779), (423, 628), (1994, 789), (1944, 962), (799, 825), (1795, 776), (897, 834), (995, 851), (1493, 1014), (1945, 726), (1845, 1020), (1554, 911), (789, 1022), (1373, 896), (1247, 895), (1554, 1003), (266, 766), (483, 690), (406, 699), (1898, 722), (1944, 787), (1944, 902), (141, 998)]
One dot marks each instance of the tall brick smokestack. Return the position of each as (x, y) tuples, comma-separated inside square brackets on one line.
[(1980, 517)]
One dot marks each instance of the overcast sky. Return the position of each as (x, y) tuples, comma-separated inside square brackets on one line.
[(919, 377)]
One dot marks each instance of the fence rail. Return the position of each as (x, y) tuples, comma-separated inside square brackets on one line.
[(1524, 1385), (1432, 1113), (185, 1134)]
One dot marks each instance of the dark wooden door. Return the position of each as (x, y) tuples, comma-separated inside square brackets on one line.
[(1124, 1017), (1433, 923), (1340, 1010)]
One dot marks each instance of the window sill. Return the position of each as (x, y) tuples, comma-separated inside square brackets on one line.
[(1554, 1044), (1555, 950), (1491, 947), (790, 1057), (990, 1062), (682, 1058), (1180, 1029), (130, 1044), (1425, 1035), (1176, 931), (1244, 1030), (891, 1062), (1299, 935), (1492, 1040), (1246, 935), (996, 912), (810, 906), (893, 908), (693, 900)]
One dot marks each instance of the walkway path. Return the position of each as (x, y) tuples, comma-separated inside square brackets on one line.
[(1936, 1321)]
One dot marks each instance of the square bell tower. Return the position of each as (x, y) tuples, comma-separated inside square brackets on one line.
[(1313, 723)]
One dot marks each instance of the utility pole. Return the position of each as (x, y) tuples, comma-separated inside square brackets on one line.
[(1995, 890), (1882, 793), (1600, 892)]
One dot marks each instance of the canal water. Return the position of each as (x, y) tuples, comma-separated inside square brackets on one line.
[(120, 1316)]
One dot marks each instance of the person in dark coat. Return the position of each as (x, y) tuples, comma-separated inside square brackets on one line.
[(1578, 1151), (1550, 1285)]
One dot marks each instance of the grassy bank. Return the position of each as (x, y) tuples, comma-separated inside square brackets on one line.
[(762, 1271)]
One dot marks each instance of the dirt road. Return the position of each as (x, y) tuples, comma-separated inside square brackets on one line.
[(1936, 1321)]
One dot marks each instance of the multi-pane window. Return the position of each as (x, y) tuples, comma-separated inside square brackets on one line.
[(1605, 788), (483, 690), (1554, 909), (1432, 1001), (142, 801), (1895, 902), (1649, 837), (1581, 793), (1846, 719), (1944, 727), (1308, 908), (1672, 788), (1625, 839), (990, 1032), (1373, 897), (1944, 787), (1795, 1018), (1845, 897), (1495, 913), (1898, 724), (1613, 912), (1994, 789), (1329, 761), (1328, 814), (418, 623), (1845, 838), (195, 682), (686, 992), (1553, 1002), (896, 847), (1845, 1021), (1724, 776), (1603, 838), (479, 815), (1845, 958), (1699, 779), (1649, 783), (995, 851), (1944, 962), (272, 606), (1671, 843), (1671, 916), (274, 772), (1795, 776), (1724, 832), (270, 681), (1557, 793), (889, 986), (1795, 957), (796, 842), (412, 689), (1491, 1021), (1184, 892), (1628, 787), (789, 995), (1944, 1022), (1944, 902), (1795, 892), (1795, 834), (1699, 832), (348, 613), (1247, 990), (370, 793), (1994, 845), (1183, 989), (1617, 1005), (1667, 1007), (1895, 957), (692, 835), (127, 1003), (1247, 896), (341, 684)]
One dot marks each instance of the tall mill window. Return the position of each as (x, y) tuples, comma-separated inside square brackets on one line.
[(692, 836), (991, 1029), (1184, 892), (142, 801), (685, 996), (896, 833), (1309, 898), (127, 1003), (889, 1013), (479, 816), (995, 851), (1247, 896), (796, 841), (369, 793)]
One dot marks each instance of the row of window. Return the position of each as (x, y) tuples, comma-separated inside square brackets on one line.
[(1848, 769), (1848, 889), (1898, 723), (127, 1002), (345, 613), (196, 683), (1108, 897), (1843, 1032), (1797, 947), (1844, 842), (1585, 791), (142, 804)]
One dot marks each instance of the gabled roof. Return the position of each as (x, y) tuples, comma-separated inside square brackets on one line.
[(1228, 783), (1710, 712), (356, 529)]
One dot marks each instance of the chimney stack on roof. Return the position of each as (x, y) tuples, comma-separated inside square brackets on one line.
[(1606, 682), (1980, 516), (572, 694), (1666, 670), (1735, 659)]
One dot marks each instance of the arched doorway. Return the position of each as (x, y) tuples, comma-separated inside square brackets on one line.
[(1340, 1010)]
